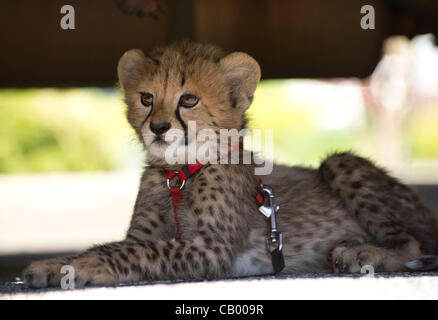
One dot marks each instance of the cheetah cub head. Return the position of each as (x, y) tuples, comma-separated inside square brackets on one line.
[(185, 82)]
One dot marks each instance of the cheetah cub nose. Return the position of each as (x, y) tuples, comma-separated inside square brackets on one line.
[(159, 127)]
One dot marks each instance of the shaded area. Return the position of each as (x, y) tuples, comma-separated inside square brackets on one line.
[(314, 38), (428, 194)]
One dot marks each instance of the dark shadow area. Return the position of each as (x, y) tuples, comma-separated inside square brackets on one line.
[(429, 194), (290, 39)]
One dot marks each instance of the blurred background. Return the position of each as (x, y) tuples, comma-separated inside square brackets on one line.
[(70, 164)]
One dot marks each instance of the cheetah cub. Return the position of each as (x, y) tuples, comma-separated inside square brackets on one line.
[(346, 214)]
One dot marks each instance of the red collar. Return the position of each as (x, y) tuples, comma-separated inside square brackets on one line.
[(189, 170), (185, 173)]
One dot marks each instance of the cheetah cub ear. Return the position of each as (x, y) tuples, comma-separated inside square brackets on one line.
[(130, 66), (242, 74)]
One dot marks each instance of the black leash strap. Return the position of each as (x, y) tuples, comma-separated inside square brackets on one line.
[(277, 260)]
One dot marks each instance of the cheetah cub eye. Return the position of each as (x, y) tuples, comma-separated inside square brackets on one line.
[(146, 99), (188, 101)]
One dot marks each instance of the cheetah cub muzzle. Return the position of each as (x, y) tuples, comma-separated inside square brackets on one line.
[(340, 217)]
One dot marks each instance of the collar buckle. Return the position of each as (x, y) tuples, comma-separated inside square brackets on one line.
[(180, 186)]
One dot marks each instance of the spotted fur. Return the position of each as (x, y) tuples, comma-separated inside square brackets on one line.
[(337, 218)]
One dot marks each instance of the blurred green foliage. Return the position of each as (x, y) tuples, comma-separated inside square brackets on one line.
[(60, 129), (422, 128), (45, 130)]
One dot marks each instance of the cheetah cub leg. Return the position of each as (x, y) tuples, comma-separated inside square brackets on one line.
[(384, 208)]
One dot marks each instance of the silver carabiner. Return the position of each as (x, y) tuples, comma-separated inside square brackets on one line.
[(267, 211), (274, 236), (180, 186)]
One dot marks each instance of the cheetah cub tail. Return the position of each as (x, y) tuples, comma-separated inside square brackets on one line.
[(423, 263)]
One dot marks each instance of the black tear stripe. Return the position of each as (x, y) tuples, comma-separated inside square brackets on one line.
[(183, 79), (183, 125), (147, 117)]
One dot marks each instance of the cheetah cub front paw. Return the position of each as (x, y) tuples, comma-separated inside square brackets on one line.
[(87, 271), (44, 273)]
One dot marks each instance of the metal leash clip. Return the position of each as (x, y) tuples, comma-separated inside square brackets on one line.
[(274, 237), (180, 186)]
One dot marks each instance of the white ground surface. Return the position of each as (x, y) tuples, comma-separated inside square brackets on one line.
[(326, 288)]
